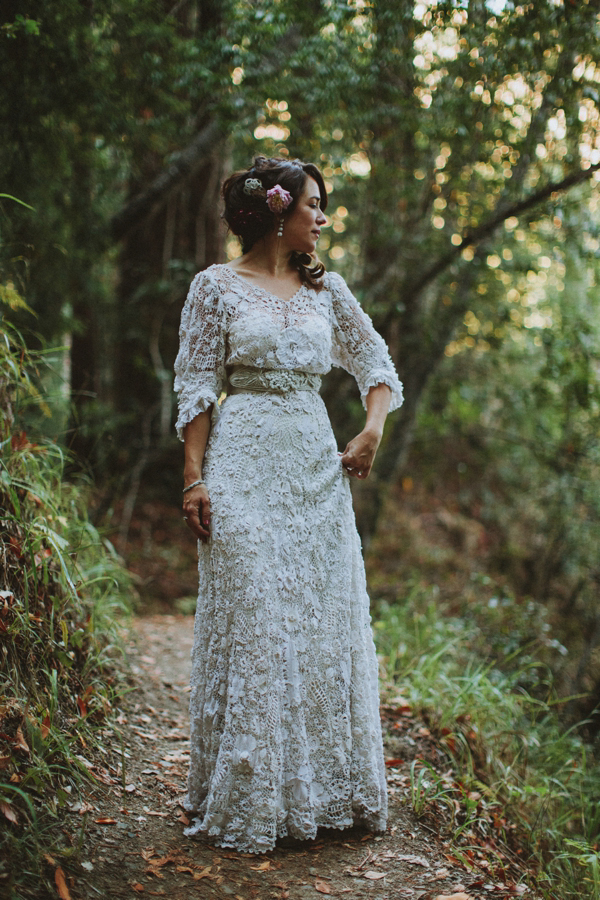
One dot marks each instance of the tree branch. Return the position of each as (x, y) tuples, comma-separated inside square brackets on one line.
[(181, 165), (487, 228)]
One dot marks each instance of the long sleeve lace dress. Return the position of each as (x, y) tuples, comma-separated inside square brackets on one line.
[(285, 728)]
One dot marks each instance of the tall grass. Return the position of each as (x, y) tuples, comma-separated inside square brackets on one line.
[(63, 593), (497, 718)]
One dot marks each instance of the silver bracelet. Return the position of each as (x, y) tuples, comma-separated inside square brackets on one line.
[(192, 485)]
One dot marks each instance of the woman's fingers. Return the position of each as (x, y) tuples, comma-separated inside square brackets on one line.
[(359, 473), (196, 512), (357, 459), (359, 470)]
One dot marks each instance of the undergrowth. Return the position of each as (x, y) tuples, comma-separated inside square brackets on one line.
[(512, 760), (63, 593)]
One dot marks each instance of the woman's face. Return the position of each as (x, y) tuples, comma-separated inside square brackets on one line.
[(302, 227)]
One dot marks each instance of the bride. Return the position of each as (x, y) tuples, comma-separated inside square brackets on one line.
[(285, 729)]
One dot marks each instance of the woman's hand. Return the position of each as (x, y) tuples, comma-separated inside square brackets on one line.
[(358, 457), (196, 512)]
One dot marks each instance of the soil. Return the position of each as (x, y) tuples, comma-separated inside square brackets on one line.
[(133, 842)]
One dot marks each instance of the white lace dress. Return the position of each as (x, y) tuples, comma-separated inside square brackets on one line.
[(285, 728)]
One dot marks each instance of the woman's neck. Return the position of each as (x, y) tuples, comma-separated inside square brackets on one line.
[(270, 257)]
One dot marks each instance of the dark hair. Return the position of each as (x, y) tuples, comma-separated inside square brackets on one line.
[(249, 217)]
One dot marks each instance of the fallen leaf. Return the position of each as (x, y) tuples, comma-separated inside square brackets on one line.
[(150, 812), (263, 867), (20, 740), (4, 762), (461, 896), (455, 860), (204, 873), (49, 859), (9, 813), (415, 860), (139, 888), (184, 869), (183, 819), (61, 884), (394, 762), (374, 876), (322, 887), (163, 861), (105, 821), (16, 547), (88, 866), (130, 788), (440, 873)]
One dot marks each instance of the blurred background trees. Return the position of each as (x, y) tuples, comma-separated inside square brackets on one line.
[(460, 142)]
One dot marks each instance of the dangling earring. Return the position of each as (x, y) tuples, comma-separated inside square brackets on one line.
[(280, 228)]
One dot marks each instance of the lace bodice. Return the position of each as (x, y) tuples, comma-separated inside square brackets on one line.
[(229, 321)]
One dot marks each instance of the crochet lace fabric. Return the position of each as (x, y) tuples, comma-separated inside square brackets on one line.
[(285, 729)]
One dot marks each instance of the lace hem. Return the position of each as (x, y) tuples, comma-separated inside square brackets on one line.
[(383, 376), (374, 822)]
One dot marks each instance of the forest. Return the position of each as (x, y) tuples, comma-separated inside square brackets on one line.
[(460, 144)]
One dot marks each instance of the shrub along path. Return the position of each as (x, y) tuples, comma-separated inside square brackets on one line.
[(134, 842)]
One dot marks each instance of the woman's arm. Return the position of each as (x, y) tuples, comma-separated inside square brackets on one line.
[(196, 503), (359, 455)]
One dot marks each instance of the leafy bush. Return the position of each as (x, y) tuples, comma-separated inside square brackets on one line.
[(63, 592), (511, 754)]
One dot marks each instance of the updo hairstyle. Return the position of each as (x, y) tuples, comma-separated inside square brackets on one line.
[(249, 217)]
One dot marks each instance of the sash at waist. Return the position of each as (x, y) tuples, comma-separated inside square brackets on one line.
[(271, 381)]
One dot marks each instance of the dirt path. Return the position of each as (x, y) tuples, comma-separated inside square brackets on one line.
[(134, 842)]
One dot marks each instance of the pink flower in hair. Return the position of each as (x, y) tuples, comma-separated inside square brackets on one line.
[(278, 199)]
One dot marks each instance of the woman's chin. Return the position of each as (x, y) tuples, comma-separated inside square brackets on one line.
[(310, 248)]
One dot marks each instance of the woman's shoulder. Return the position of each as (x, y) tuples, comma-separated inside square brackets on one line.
[(213, 273), (333, 281), (338, 288), (214, 279), (210, 287)]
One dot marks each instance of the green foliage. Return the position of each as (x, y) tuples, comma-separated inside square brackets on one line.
[(518, 397), (432, 122), (509, 752), (21, 23), (62, 594)]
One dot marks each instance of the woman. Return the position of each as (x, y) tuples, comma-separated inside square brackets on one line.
[(285, 730)]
